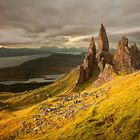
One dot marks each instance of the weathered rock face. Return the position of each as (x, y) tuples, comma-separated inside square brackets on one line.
[(106, 75), (107, 72), (103, 43), (89, 65), (135, 53), (126, 58), (106, 57), (81, 76), (103, 55), (90, 59)]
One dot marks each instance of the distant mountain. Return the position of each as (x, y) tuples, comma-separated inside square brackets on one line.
[(56, 49), (10, 52)]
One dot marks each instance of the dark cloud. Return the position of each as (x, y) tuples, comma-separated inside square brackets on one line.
[(49, 20)]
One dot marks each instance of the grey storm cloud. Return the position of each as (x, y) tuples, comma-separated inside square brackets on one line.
[(39, 20)]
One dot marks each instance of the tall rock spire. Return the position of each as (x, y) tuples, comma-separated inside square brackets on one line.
[(103, 55), (90, 63), (91, 55), (103, 43)]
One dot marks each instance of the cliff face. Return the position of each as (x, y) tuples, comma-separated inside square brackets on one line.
[(90, 59), (135, 53), (89, 65), (124, 59)]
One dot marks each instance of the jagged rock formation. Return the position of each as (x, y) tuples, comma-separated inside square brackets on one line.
[(135, 52), (104, 58), (89, 65), (81, 76), (107, 72), (106, 75), (103, 55), (126, 58), (90, 59), (103, 43)]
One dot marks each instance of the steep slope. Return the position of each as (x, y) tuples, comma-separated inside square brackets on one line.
[(110, 111), (115, 115)]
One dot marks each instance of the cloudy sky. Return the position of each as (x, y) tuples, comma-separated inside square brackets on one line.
[(67, 22)]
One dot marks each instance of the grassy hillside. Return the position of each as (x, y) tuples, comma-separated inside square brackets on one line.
[(58, 111)]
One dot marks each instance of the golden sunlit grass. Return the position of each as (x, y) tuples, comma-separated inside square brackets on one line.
[(116, 116), (33, 97)]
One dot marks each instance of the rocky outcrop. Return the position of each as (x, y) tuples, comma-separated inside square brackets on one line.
[(103, 43), (81, 75), (104, 58), (90, 59), (106, 75), (135, 53), (89, 65), (103, 55), (107, 72), (126, 58)]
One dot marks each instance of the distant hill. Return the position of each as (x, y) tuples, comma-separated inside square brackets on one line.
[(54, 64)]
